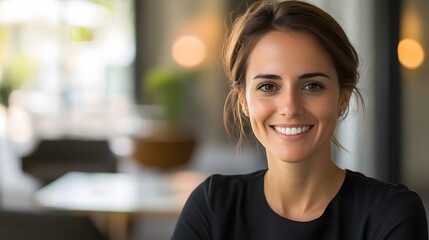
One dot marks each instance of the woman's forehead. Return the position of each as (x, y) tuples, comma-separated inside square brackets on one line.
[(291, 51)]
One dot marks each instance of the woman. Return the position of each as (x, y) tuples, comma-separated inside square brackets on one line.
[(293, 71)]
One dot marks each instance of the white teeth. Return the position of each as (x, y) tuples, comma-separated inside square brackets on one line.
[(292, 131)]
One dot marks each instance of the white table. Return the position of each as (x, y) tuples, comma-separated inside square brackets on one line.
[(120, 196)]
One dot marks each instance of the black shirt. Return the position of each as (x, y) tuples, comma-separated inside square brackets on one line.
[(234, 207)]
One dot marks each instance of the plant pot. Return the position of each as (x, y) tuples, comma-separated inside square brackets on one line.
[(165, 148)]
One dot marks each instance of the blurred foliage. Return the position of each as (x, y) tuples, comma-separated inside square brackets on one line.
[(4, 34), (81, 34), (109, 4), (15, 72), (168, 88)]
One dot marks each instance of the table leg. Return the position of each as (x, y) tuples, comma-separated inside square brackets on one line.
[(118, 226)]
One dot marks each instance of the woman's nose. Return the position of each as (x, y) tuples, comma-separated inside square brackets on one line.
[(290, 104)]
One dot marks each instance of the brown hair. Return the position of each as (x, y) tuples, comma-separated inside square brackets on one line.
[(270, 15)]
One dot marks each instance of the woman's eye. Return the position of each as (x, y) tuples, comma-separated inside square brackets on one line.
[(266, 87), (313, 87)]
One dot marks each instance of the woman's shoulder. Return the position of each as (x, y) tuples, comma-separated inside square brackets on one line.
[(368, 185), (373, 189), (220, 182), (392, 209), (243, 178), (379, 196), (215, 198), (218, 188)]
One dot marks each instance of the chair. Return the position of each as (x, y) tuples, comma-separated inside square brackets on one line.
[(24, 225), (53, 158)]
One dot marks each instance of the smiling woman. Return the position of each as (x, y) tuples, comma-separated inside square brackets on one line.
[(291, 84), (292, 72)]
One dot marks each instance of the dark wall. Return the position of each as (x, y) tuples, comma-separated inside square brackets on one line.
[(388, 91)]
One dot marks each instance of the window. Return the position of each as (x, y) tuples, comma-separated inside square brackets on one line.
[(68, 64)]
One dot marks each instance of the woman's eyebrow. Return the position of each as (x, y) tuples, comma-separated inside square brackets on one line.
[(303, 76), (267, 76), (313, 74)]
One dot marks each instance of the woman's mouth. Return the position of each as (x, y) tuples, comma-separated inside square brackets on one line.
[(291, 131)]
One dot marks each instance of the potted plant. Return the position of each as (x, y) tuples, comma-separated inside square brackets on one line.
[(169, 143)]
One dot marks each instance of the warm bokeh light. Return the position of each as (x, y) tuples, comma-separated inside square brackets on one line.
[(410, 53), (188, 51)]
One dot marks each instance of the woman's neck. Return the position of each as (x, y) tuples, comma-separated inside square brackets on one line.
[(302, 191)]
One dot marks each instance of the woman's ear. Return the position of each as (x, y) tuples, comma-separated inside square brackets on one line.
[(346, 93), (243, 102)]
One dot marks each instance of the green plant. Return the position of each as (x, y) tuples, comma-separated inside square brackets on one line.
[(19, 69), (168, 87)]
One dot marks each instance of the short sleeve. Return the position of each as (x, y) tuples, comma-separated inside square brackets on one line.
[(402, 216), (195, 219)]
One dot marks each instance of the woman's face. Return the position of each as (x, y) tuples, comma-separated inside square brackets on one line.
[(292, 96)]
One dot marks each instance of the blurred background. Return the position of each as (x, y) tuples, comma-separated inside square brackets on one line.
[(129, 73)]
